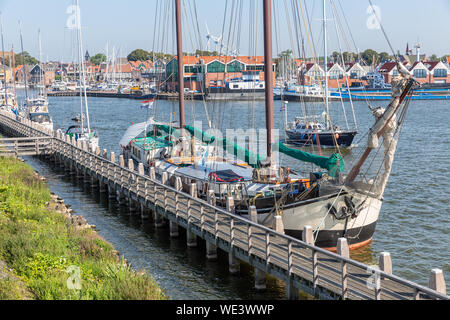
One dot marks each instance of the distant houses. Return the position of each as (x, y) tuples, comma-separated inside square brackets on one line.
[(338, 76), (204, 72), (433, 72)]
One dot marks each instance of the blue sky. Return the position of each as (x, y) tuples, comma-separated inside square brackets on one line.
[(127, 25)]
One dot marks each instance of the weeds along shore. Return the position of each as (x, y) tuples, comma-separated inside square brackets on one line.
[(46, 253)]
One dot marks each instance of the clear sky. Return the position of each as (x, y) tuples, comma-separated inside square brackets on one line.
[(128, 25)]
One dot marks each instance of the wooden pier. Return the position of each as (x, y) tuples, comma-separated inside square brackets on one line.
[(300, 264)]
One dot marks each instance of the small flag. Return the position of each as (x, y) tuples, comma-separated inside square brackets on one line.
[(148, 104), (204, 157)]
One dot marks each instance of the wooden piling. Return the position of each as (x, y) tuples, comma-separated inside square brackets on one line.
[(234, 263), (343, 250), (211, 249), (437, 281), (385, 262), (259, 275), (191, 238)]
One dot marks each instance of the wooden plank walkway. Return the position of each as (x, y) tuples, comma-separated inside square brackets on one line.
[(301, 265)]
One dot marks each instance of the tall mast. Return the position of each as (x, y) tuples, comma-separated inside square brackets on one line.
[(13, 66), (268, 74), (325, 46), (4, 62), (180, 63), (23, 63), (41, 72), (82, 69)]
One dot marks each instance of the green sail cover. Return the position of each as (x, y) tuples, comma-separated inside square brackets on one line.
[(333, 164), (166, 128), (243, 154)]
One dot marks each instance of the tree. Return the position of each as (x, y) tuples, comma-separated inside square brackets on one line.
[(336, 57), (433, 57), (206, 53), (370, 57), (384, 56), (139, 55), (29, 60), (98, 59)]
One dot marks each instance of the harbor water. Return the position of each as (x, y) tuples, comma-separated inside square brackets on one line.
[(413, 224)]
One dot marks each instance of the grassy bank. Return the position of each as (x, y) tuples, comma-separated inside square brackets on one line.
[(42, 249)]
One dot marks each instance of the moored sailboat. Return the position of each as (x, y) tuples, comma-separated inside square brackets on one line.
[(82, 130), (334, 204)]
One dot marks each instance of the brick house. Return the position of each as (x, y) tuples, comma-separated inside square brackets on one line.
[(213, 71)]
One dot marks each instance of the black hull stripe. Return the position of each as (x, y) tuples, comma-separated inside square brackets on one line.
[(326, 139), (329, 238)]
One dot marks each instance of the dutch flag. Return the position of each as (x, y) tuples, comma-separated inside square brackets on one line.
[(148, 104)]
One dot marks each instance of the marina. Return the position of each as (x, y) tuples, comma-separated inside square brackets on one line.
[(310, 175), (267, 250)]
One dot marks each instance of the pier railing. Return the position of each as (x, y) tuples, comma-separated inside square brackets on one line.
[(300, 264)]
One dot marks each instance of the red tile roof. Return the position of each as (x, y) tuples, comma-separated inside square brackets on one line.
[(388, 67), (431, 65)]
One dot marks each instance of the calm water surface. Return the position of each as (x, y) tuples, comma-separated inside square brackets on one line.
[(413, 226)]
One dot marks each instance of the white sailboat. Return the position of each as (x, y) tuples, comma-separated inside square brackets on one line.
[(37, 108), (82, 130)]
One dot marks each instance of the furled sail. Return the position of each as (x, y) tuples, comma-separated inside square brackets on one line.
[(333, 164), (243, 154), (134, 131)]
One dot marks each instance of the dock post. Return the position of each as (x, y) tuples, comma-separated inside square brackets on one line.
[(105, 154), (174, 232), (260, 275), (112, 157), (159, 221), (211, 249), (144, 212), (234, 263), (152, 173), (437, 281), (343, 250), (279, 227), (121, 161), (141, 170), (130, 165), (385, 262), (191, 238), (308, 238), (307, 235), (291, 291)]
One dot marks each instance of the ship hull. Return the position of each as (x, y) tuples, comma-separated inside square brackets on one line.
[(325, 139), (358, 227)]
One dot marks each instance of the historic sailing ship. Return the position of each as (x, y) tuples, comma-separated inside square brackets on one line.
[(334, 204)]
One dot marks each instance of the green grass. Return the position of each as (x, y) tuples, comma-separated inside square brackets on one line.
[(40, 246)]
